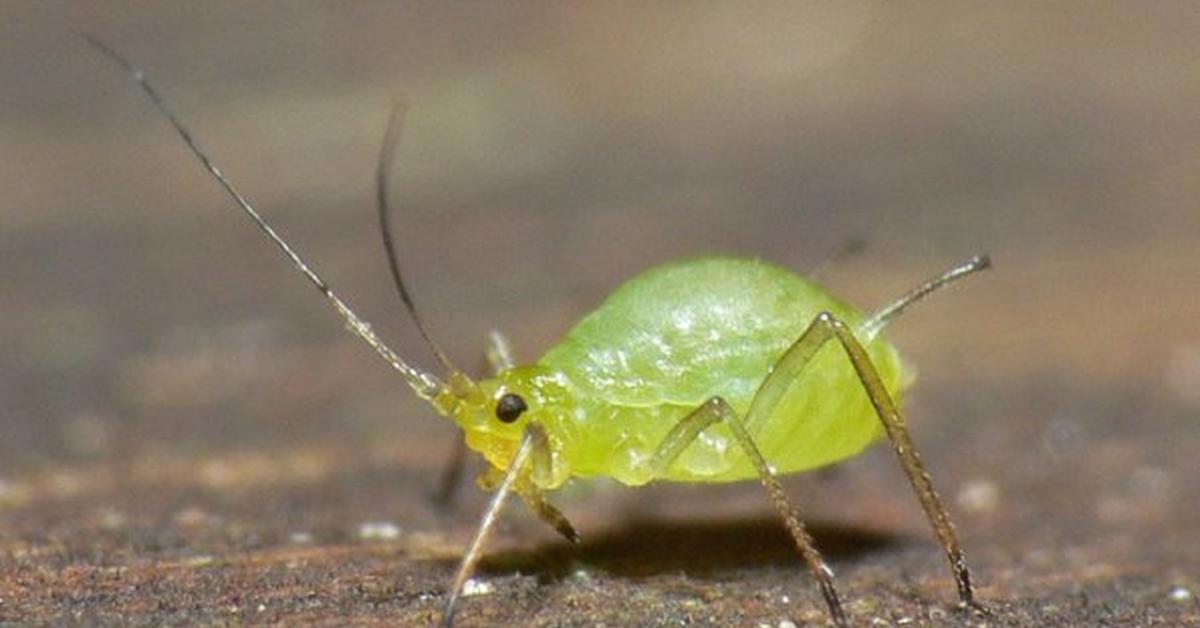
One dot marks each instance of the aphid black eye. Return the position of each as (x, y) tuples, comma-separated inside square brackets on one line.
[(510, 407)]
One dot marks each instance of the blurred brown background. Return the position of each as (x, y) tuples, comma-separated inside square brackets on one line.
[(187, 435)]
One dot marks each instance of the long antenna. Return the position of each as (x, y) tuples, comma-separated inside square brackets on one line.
[(383, 180), (424, 384), (872, 326)]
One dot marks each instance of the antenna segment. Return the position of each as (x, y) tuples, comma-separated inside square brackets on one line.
[(424, 384), (383, 180)]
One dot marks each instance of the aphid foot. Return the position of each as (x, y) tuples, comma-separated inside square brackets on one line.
[(974, 608)]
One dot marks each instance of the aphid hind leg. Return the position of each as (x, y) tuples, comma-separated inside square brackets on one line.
[(821, 330), (716, 410), (880, 319), (499, 357)]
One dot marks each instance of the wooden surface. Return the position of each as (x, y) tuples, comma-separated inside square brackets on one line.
[(187, 436)]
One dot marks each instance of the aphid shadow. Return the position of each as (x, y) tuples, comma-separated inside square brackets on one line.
[(648, 547)]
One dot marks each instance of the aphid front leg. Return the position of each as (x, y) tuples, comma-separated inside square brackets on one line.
[(533, 455), (535, 498), (541, 466), (475, 550), (717, 410)]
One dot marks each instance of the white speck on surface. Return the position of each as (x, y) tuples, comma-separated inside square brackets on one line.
[(787, 623), (476, 587), (1150, 481), (1179, 594), (194, 516), (261, 608), (301, 538), (786, 599), (379, 530), (978, 496), (65, 485), (111, 519), (202, 560)]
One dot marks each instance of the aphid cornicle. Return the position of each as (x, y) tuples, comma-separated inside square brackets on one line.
[(716, 369)]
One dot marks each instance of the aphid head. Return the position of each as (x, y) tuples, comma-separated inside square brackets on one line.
[(498, 408), (494, 412)]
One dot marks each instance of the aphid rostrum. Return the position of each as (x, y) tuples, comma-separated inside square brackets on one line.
[(715, 369)]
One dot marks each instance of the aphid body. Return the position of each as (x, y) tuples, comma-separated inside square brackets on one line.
[(659, 347), (710, 370)]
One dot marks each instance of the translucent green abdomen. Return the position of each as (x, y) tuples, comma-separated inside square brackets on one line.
[(679, 334)]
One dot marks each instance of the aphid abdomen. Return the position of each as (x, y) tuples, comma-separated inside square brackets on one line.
[(677, 335)]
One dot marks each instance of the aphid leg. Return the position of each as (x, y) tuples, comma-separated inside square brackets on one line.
[(541, 468), (499, 357), (821, 330), (503, 489), (535, 498), (451, 476), (873, 325), (717, 410), (499, 352)]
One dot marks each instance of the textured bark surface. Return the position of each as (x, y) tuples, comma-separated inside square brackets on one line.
[(186, 435)]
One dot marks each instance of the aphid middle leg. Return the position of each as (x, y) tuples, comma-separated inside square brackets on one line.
[(825, 327), (717, 410)]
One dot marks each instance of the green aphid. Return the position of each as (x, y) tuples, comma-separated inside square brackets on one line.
[(716, 369)]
